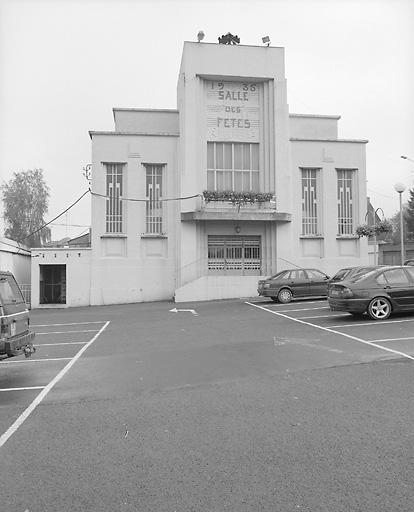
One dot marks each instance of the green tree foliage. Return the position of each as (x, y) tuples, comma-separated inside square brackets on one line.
[(396, 226), (25, 200), (409, 215)]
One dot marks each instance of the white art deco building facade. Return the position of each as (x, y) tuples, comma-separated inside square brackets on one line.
[(169, 211)]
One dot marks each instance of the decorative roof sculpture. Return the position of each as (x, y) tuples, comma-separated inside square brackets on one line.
[(229, 39)]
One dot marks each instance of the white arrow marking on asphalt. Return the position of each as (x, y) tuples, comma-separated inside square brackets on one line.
[(175, 310)]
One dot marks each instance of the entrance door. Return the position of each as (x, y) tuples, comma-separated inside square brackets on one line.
[(52, 284), (234, 255)]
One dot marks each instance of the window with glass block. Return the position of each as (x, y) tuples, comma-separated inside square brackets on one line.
[(114, 191), (155, 213), (345, 195), (310, 198), (233, 166)]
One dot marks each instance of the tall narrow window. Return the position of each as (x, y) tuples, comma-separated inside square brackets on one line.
[(114, 186), (233, 166), (345, 201), (310, 196), (154, 205)]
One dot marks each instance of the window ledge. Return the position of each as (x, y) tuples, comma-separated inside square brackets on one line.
[(153, 235), (347, 237), (312, 237), (114, 235)]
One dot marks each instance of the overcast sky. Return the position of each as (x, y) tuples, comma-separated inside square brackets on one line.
[(64, 64)]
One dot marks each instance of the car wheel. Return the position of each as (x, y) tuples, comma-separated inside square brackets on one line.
[(274, 299), (284, 296), (379, 308)]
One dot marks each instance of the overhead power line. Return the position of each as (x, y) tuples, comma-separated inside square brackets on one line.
[(14, 246), (98, 195), (146, 200), (60, 214)]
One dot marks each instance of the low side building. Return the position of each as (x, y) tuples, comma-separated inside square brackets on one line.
[(61, 277)]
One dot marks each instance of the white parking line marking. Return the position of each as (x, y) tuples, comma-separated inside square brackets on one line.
[(375, 322), (322, 316), (26, 413), (302, 309), (392, 339), (305, 303), (65, 332), (24, 361), (73, 323), (327, 329), (22, 389), (67, 343)]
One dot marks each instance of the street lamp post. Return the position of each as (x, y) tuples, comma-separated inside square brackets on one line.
[(400, 187), (374, 234)]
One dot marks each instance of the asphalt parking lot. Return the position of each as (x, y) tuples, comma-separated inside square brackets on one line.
[(394, 336), (225, 405)]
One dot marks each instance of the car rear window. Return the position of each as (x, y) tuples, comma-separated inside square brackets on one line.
[(286, 275), (9, 291)]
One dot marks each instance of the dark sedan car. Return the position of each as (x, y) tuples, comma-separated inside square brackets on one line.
[(378, 293), (289, 284), (350, 272)]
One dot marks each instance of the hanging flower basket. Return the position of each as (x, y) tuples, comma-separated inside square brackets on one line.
[(383, 226)]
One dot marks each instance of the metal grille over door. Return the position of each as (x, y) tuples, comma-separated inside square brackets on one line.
[(238, 255)]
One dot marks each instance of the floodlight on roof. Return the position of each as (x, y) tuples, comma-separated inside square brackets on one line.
[(266, 39), (200, 36)]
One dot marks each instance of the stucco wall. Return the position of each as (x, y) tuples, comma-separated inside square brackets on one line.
[(331, 251), (133, 266), (16, 260), (146, 120), (313, 126), (218, 287), (266, 69)]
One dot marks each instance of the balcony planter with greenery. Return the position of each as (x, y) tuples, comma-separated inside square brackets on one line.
[(237, 198), (383, 226)]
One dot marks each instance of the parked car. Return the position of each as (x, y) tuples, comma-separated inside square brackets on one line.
[(410, 263), (15, 335), (379, 292), (292, 284), (349, 272)]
